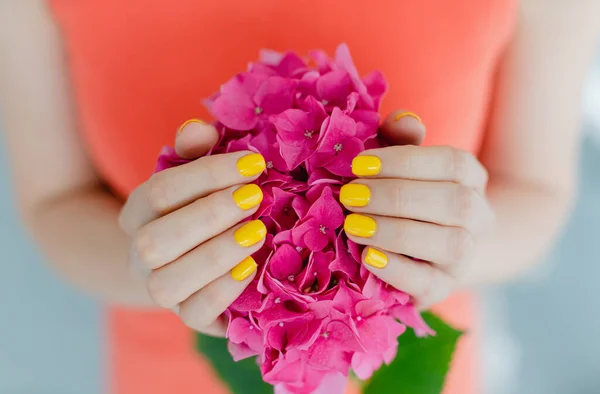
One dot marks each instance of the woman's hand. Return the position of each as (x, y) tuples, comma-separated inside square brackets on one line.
[(419, 211), (184, 231)]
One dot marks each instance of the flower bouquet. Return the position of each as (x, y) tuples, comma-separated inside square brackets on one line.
[(313, 313)]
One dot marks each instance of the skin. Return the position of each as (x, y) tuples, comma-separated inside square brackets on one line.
[(530, 154)]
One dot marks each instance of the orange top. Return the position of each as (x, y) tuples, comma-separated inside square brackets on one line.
[(141, 67)]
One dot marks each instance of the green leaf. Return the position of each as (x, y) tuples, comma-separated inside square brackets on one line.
[(421, 364), (242, 377)]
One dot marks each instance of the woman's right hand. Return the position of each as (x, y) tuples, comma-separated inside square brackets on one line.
[(183, 224)]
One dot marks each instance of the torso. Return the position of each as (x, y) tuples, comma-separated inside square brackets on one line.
[(140, 68)]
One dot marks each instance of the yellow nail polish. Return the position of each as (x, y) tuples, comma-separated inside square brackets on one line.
[(366, 165), (244, 269), (248, 196), (355, 195), (251, 165), (187, 122), (376, 258), (360, 225), (250, 233), (411, 114)]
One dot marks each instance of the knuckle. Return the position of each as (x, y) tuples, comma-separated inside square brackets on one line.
[(157, 193), (159, 291), (438, 287), (400, 198), (146, 247), (196, 313), (459, 165), (460, 245), (465, 204)]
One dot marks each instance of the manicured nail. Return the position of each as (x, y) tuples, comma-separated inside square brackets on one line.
[(366, 165), (250, 233), (248, 196), (360, 225), (411, 114), (355, 195), (244, 269), (187, 122), (376, 258), (251, 165)]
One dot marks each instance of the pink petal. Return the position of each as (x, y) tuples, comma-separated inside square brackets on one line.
[(240, 351), (376, 87), (364, 364), (286, 261), (327, 211), (410, 316), (249, 300), (236, 111), (367, 123), (342, 165), (315, 240), (334, 87), (275, 95)]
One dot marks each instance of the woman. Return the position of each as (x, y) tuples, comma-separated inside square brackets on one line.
[(91, 90)]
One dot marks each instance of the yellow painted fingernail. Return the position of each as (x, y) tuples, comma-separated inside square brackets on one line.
[(355, 195), (376, 258), (251, 165), (187, 122), (411, 114), (360, 225), (244, 269), (366, 165), (248, 196), (250, 233)]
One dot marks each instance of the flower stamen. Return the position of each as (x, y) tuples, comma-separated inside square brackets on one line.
[(323, 229), (337, 147), (309, 134), (258, 110)]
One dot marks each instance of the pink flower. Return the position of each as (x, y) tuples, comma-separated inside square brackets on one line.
[(313, 312), (319, 225), (338, 146), (298, 132), (248, 98)]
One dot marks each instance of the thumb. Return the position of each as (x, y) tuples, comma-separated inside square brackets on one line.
[(194, 139), (403, 128)]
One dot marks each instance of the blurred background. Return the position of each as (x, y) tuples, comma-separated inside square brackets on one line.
[(540, 334)]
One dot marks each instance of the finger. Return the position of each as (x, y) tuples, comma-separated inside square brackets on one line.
[(434, 163), (206, 305), (218, 328), (195, 138), (175, 282), (448, 246), (426, 283), (167, 238), (444, 203), (403, 128), (176, 187)]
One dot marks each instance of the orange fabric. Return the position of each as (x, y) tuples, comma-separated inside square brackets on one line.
[(141, 67)]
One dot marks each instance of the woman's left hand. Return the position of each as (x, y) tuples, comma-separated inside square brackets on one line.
[(419, 210)]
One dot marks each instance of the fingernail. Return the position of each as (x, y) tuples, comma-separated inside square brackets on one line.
[(251, 165), (244, 269), (248, 196), (360, 225), (250, 233), (376, 258), (355, 195), (187, 122), (366, 165), (411, 114)]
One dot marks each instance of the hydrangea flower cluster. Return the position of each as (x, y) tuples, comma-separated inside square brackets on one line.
[(313, 312)]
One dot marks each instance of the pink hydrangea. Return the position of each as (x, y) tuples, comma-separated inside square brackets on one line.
[(313, 312)]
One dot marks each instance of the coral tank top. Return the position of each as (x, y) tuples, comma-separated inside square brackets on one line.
[(139, 68)]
